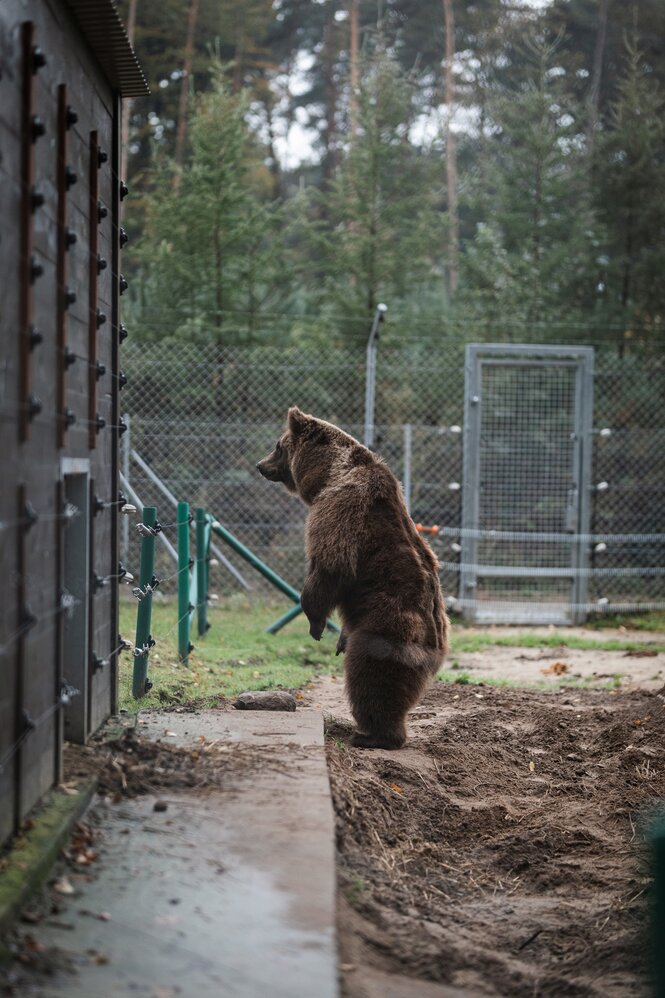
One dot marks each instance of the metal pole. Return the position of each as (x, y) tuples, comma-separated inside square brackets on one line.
[(370, 374), (406, 478), (284, 619), (126, 447), (172, 499), (261, 567), (184, 647), (201, 573), (140, 678)]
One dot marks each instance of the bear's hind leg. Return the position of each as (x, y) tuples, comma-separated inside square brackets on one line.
[(381, 691)]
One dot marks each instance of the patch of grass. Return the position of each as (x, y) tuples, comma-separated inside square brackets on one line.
[(654, 621), (478, 640), (235, 655), (354, 891), (565, 682)]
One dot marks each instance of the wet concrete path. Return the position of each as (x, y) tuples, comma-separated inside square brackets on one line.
[(225, 893)]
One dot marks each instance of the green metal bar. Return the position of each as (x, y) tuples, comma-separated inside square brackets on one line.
[(284, 619), (193, 596), (201, 571), (184, 647), (261, 567), (147, 570)]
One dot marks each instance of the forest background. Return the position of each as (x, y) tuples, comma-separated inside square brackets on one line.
[(474, 165)]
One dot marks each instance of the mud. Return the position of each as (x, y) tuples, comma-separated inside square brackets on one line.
[(503, 851)]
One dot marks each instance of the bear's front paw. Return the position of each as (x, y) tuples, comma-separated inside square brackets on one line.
[(341, 644), (316, 628)]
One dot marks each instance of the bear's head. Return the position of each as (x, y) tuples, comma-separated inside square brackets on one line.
[(305, 453)]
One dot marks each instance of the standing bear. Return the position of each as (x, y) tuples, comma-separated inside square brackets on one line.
[(367, 560)]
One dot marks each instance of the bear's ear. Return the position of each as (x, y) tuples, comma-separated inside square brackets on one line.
[(297, 420)]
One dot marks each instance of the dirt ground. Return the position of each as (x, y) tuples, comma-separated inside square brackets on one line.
[(549, 666), (501, 852)]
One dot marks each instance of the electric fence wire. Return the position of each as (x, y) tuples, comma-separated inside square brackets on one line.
[(33, 624), (31, 724)]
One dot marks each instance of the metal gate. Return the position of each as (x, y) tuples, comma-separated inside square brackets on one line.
[(526, 498)]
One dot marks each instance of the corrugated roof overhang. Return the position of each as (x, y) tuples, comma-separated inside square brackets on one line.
[(105, 33)]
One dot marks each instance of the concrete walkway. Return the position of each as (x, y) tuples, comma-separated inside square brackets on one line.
[(226, 892)]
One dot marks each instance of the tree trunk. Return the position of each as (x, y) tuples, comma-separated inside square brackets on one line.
[(451, 154), (597, 70), (127, 103), (353, 69), (181, 131), (330, 91), (275, 172)]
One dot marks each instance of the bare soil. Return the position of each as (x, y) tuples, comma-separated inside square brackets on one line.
[(502, 851)]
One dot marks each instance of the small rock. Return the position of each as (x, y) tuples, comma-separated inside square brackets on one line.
[(160, 805), (265, 700)]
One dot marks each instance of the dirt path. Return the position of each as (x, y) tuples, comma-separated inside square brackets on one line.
[(502, 851)]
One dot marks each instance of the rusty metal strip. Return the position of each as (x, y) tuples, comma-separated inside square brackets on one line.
[(21, 624), (61, 266), (60, 527), (90, 650), (115, 385), (27, 208), (93, 246)]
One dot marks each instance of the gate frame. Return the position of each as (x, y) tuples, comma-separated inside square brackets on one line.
[(518, 355)]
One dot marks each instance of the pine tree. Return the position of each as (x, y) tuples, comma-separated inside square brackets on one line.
[(631, 197), (380, 234), (210, 251), (533, 256)]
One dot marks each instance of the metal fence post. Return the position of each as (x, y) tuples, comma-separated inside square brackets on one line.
[(202, 570), (406, 477), (140, 685), (184, 647), (126, 448), (370, 374)]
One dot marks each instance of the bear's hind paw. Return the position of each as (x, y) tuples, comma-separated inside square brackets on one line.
[(385, 741)]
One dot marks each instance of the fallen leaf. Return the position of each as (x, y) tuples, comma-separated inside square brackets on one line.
[(640, 653), (555, 669), (101, 959), (169, 734), (63, 886), (394, 786), (532, 766)]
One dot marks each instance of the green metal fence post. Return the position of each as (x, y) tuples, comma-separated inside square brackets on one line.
[(140, 685), (201, 572), (184, 646)]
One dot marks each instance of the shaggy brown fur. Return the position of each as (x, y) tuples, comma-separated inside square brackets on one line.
[(367, 559)]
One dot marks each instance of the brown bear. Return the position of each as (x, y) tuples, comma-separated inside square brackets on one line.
[(367, 560)]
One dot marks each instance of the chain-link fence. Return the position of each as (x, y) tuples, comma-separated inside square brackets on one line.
[(201, 417)]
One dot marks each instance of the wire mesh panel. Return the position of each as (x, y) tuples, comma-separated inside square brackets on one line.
[(556, 549), (528, 420)]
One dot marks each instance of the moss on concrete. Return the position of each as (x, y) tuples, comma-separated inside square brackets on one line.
[(31, 856)]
